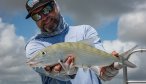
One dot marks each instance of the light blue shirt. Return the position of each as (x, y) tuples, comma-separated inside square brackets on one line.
[(70, 34)]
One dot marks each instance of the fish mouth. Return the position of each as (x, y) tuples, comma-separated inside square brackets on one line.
[(33, 64), (39, 63)]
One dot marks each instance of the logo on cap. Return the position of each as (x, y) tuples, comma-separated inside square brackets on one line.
[(32, 2)]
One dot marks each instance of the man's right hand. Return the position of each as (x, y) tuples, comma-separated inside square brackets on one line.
[(69, 62)]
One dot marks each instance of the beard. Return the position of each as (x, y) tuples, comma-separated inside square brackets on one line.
[(51, 24)]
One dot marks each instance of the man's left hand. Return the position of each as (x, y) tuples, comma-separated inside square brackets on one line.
[(106, 73)]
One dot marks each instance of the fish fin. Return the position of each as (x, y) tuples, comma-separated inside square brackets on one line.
[(125, 56), (129, 64), (34, 64), (89, 41), (63, 66)]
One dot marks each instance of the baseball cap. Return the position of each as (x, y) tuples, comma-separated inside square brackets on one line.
[(31, 5)]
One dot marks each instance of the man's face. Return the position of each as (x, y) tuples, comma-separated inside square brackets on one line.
[(47, 17)]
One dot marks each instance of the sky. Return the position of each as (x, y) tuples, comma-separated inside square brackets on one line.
[(120, 24)]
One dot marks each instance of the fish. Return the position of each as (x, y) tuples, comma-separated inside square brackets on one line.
[(86, 55)]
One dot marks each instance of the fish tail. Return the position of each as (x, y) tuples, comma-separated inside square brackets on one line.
[(125, 56), (129, 64)]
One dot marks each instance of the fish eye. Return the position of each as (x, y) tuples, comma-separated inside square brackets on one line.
[(43, 53)]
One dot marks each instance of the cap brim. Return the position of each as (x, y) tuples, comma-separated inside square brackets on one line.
[(29, 14)]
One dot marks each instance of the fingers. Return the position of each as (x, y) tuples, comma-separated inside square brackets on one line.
[(102, 71), (70, 59), (47, 68), (114, 53), (107, 73), (70, 68), (103, 75), (57, 68)]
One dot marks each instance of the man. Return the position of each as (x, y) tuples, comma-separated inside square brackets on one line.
[(54, 29)]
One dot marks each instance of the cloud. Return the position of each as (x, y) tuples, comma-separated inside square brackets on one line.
[(11, 6), (132, 27), (91, 12), (12, 58), (94, 12), (137, 73)]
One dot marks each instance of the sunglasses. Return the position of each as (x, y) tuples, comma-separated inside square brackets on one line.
[(46, 10)]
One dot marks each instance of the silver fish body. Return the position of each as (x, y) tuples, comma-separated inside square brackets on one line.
[(85, 55)]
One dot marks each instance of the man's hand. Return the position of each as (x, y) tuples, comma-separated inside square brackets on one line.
[(116, 65), (108, 72), (69, 62)]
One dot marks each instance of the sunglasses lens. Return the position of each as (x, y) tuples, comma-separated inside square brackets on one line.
[(36, 17), (47, 9)]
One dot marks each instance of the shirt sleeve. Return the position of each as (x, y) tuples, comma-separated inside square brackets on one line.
[(31, 48), (91, 32)]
